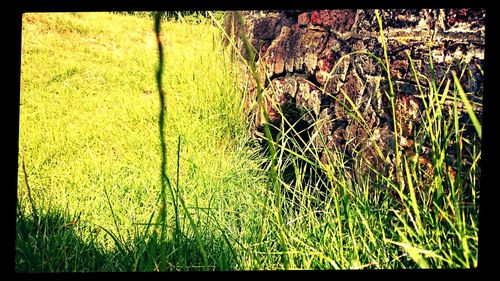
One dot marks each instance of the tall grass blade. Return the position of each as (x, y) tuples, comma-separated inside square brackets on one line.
[(30, 197), (270, 142), (161, 122), (414, 253), (413, 198), (467, 104), (391, 96), (114, 216)]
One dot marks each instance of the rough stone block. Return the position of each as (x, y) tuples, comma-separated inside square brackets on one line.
[(318, 60)]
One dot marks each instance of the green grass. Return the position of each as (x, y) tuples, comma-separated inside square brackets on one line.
[(90, 142), (89, 115)]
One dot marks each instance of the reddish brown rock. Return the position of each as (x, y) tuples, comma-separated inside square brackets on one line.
[(338, 20), (303, 19), (399, 68), (455, 17), (320, 64)]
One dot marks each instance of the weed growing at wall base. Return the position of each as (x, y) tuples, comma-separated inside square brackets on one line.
[(422, 213)]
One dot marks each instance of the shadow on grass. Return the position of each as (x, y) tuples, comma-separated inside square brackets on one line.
[(58, 242), (52, 245)]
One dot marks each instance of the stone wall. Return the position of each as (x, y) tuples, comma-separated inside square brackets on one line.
[(306, 62)]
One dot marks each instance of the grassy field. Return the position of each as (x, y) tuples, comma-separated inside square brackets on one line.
[(89, 115), (89, 180)]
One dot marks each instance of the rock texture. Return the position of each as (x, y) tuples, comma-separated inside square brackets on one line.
[(316, 64)]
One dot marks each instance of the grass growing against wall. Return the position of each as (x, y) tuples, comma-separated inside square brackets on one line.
[(422, 216), (89, 191)]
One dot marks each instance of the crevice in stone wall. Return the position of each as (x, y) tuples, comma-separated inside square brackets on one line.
[(298, 49)]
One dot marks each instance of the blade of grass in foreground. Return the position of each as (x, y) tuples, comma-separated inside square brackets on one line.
[(391, 96), (161, 117), (164, 177), (161, 120), (190, 218), (467, 104)]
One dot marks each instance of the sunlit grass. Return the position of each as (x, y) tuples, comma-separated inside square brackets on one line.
[(89, 139), (89, 115)]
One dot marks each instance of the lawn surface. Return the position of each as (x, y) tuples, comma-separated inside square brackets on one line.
[(89, 120)]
